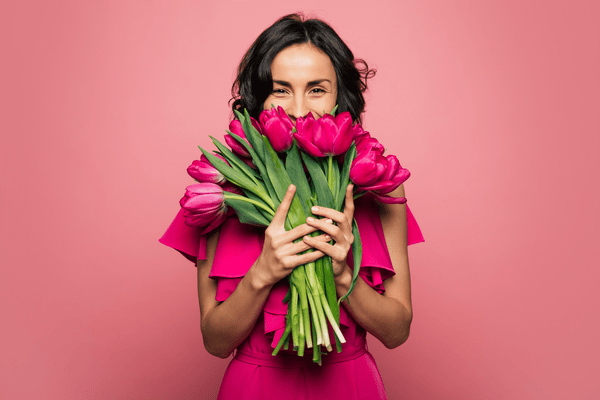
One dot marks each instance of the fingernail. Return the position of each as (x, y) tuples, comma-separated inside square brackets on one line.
[(310, 219), (290, 188), (315, 209), (329, 221), (327, 237)]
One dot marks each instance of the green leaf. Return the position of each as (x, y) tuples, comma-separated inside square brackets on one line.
[(243, 142), (324, 196), (260, 165), (252, 196), (356, 257), (234, 176), (247, 213), (235, 161), (281, 181), (254, 137), (345, 176), (295, 170)]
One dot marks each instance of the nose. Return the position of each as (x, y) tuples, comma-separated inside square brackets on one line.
[(298, 108)]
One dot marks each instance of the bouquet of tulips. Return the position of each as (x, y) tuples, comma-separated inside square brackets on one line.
[(251, 176)]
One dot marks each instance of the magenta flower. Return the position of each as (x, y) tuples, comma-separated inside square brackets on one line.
[(364, 140), (326, 136), (236, 127), (203, 171), (373, 172), (277, 127), (204, 206)]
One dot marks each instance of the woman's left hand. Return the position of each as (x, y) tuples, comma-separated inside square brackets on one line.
[(340, 232)]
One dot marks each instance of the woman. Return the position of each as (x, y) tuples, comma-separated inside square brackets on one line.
[(304, 67)]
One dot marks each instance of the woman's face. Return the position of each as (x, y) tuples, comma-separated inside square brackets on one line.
[(304, 81)]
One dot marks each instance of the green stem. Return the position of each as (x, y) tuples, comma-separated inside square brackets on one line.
[(330, 175), (294, 318), (304, 307), (331, 319), (331, 294), (301, 337), (318, 294), (316, 349), (286, 334), (316, 326)]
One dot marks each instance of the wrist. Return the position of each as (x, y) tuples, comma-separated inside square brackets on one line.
[(256, 279), (343, 280)]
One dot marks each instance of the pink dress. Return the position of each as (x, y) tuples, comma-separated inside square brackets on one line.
[(254, 373)]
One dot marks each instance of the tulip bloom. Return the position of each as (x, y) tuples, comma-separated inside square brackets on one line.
[(373, 172), (326, 136), (203, 171), (364, 140), (277, 127), (204, 206), (236, 127)]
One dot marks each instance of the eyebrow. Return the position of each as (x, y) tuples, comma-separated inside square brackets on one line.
[(316, 82)]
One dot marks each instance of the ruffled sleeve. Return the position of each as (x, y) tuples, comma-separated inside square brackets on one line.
[(376, 265), (238, 247), (185, 239)]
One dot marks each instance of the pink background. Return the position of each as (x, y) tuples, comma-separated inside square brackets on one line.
[(492, 105)]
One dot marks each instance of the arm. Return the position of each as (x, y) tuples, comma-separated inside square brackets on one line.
[(388, 316), (226, 324)]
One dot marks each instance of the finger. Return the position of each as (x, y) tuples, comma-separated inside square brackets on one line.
[(301, 245), (298, 232), (326, 225), (330, 213), (335, 252), (284, 206), (322, 238), (349, 203), (306, 258)]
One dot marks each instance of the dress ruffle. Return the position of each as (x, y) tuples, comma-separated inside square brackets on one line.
[(240, 245)]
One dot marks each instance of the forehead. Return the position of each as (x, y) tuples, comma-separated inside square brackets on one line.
[(302, 62)]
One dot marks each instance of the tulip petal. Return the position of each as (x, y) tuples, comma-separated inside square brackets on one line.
[(390, 199), (344, 135)]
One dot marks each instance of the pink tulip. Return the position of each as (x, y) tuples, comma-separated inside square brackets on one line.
[(304, 135), (236, 127), (204, 206), (203, 171), (358, 132), (364, 140), (277, 127), (367, 168), (326, 136), (373, 172)]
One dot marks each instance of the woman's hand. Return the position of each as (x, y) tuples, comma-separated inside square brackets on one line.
[(340, 232), (281, 252)]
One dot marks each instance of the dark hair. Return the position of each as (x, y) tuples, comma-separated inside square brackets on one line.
[(254, 82)]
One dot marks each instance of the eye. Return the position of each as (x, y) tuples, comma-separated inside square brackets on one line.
[(279, 91), (318, 91)]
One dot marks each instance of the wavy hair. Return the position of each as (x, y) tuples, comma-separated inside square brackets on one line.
[(254, 82)]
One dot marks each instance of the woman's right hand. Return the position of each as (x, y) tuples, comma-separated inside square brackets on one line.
[(280, 252)]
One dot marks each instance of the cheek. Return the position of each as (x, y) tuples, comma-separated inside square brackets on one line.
[(327, 104), (273, 101)]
